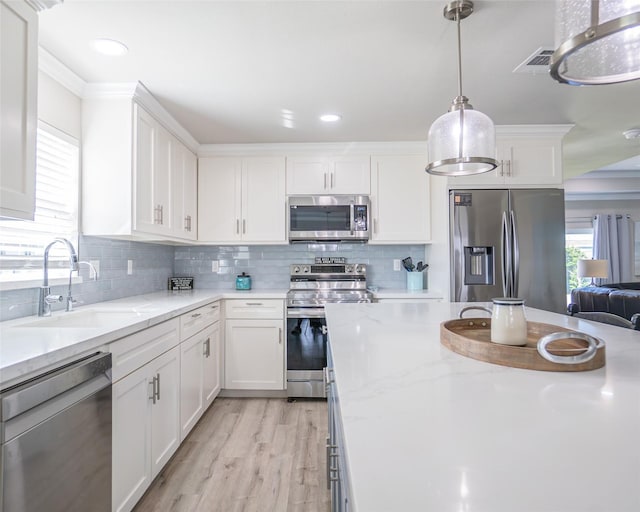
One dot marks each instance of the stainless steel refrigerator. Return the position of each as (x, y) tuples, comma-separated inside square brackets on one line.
[(508, 243)]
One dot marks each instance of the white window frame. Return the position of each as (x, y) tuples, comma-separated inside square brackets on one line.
[(28, 273)]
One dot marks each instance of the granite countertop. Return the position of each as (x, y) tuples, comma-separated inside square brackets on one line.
[(428, 429), (26, 348)]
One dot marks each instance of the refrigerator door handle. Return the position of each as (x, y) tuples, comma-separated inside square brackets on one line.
[(515, 268), (505, 250)]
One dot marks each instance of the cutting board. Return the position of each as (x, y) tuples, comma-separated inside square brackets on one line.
[(471, 337)]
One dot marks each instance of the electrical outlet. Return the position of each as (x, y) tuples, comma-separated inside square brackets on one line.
[(215, 266), (129, 267), (397, 265)]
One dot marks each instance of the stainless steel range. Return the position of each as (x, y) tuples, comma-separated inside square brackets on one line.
[(313, 286)]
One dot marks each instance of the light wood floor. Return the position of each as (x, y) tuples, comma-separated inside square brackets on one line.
[(248, 454)]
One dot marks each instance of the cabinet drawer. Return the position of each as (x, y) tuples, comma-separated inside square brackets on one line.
[(134, 351), (198, 319), (254, 308)]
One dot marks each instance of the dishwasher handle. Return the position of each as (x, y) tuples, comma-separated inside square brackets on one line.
[(24, 396)]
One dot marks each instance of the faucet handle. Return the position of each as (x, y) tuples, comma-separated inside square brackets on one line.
[(52, 299)]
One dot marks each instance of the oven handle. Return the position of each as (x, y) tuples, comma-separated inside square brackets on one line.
[(305, 312)]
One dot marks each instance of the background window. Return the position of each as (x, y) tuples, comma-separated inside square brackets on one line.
[(22, 242), (579, 245)]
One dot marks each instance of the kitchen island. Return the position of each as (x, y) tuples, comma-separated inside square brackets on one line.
[(426, 429)]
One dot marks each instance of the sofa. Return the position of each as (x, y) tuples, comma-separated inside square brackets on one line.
[(617, 303)]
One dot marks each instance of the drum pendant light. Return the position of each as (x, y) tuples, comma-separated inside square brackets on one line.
[(597, 41), (462, 141)]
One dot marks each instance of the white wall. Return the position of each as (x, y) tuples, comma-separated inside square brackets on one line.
[(58, 106)]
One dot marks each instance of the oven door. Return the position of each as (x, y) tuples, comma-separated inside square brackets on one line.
[(306, 352)]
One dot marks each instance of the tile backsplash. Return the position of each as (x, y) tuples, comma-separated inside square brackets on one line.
[(153, 264), (268, 265)]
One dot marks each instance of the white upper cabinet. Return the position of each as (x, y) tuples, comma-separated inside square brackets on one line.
[(18, 103), (328, 175), (138, 178), (184, 176), (400, 199), (152, 174), (530, 156), (241, 200)]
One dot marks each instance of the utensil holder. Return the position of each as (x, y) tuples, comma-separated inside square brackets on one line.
[(415, 281)]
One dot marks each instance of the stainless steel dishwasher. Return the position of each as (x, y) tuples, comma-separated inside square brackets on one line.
[(55, 431)]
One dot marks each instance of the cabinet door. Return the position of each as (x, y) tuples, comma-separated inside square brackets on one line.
[(350, 175), (254, 354), (18, 97), (211, 382), (190, 195), (131, 457), (400, 199), (165, 412), (263, 199), (184, 191), (307, 175), (152, 152), (534, 161), (219, 195), (192, 353)]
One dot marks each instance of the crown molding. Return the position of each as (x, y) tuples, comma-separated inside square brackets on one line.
[(315, 148), (136, 91), (605, 196), (51, 66), (41, 5)]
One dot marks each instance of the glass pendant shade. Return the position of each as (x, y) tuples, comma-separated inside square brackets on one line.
[(462, 142), (597, 41)]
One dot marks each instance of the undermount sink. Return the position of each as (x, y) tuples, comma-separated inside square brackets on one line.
[(89, 318)]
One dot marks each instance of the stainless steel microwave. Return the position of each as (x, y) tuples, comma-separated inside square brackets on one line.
[(328, 218)]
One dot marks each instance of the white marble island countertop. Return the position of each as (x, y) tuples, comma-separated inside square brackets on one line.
[(426, 429)]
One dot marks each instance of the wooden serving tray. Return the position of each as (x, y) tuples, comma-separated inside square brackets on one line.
[(471, 337)]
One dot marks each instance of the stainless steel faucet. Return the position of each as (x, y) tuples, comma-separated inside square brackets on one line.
[(46, 298)]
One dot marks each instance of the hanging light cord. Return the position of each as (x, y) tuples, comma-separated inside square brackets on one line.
[(459, 98), (459, 53)]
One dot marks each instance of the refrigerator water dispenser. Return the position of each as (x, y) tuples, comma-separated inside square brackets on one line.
[(478, 265)]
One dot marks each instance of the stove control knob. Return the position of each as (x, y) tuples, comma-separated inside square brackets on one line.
[(360, 269), (296, 270), (306, 269), (349, 269)]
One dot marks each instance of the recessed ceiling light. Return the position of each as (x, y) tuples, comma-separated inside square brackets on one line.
[(330, 118), (109, 47)]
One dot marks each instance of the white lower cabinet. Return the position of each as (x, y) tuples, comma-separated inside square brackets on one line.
[(337, 473), (254, 354), (199, 375), (254, 345), (146, 429)]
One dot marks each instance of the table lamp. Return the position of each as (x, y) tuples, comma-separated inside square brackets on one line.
[(593, 269)]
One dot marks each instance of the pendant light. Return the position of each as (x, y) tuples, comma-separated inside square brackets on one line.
[(598, 42), (462, 141)]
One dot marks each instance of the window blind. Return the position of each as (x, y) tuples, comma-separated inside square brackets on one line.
[(22, 243)]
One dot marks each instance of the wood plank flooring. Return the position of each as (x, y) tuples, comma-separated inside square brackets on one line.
[(249, 455)]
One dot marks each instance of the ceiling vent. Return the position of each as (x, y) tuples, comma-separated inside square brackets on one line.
[(536, 63)]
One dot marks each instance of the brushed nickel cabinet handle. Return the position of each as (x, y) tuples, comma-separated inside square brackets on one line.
[(238, 226), (244, 226)]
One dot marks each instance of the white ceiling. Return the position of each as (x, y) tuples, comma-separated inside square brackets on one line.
[(228, 70)]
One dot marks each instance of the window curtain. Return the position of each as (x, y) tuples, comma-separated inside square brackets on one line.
[(613, 241)]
